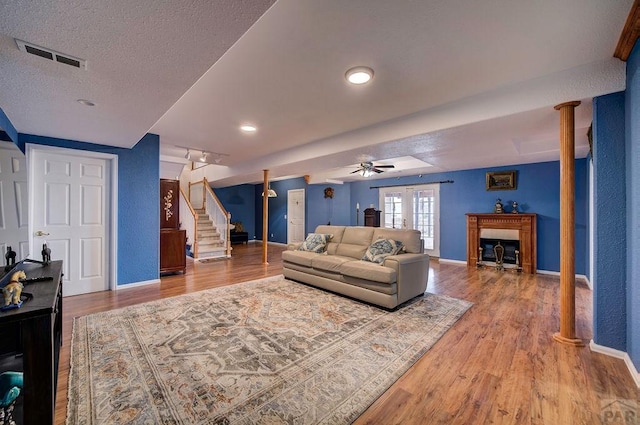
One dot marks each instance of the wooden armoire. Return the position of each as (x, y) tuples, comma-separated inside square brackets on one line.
[(173, 241)]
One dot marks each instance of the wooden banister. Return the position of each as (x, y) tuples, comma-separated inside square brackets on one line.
[(195, 222)]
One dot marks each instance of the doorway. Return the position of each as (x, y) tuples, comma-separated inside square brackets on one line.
[(72, 208), (295, 215), (413, 207)]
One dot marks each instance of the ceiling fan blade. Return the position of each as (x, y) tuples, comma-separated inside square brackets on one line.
[(385, 166), (377, 171), (353, 172)]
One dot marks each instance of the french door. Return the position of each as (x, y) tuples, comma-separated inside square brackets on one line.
[(413, 207)]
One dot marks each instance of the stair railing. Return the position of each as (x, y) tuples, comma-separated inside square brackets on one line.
[(218, 214), (189, 222)]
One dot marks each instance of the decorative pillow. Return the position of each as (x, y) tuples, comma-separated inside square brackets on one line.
[(315, 242), (381, 249), (239, 227)]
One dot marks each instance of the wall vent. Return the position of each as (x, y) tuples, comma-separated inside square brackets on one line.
[(43, 52)]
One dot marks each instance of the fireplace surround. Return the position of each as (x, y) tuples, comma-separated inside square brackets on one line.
[(524, 225)]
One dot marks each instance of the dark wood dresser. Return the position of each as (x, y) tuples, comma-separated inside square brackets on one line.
[(35, 331), (173, 256)]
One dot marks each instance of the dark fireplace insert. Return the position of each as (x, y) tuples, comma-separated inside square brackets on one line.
[(510, 248)]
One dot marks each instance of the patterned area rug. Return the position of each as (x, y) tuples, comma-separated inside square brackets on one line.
[(269, 351)]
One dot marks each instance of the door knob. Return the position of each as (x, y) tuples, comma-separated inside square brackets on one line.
[(41, 233)]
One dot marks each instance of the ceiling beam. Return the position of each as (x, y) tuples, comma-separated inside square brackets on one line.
[(630, 33)]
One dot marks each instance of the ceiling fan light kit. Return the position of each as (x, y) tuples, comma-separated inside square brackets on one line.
[(367, 169)]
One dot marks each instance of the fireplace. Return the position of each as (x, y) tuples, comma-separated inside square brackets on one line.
[(511, 254), (513, 231)]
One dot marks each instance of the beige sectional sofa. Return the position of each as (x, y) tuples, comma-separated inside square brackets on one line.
[(340, 267)]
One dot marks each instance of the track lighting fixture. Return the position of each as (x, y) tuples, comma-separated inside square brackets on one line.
[(217, 157)]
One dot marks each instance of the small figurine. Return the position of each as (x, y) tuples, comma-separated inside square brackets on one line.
[(13, 290), (497, 209), (46, 254), (10, 256), (514, 207)]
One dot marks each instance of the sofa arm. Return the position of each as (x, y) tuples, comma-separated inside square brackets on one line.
[(412, 274), (294, 246)]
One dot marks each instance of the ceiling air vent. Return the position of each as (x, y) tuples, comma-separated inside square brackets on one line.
[(43, 52)]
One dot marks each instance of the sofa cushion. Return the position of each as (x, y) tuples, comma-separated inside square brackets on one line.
[(315, 242), (409, 237), (381, 249), (330, 263), (336, 231), (302, 258), (355, 241), (369, 271)]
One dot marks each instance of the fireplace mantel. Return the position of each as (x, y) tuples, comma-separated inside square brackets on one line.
[(524, 223)]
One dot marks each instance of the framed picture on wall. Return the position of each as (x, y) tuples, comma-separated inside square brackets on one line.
[(501, 180)]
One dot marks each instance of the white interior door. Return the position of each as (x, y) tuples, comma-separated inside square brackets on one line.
[(414, 207), (295, 214), (71, 209), (13, 202)]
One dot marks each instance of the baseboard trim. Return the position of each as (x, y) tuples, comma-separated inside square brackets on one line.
[(446, 260), (618, 354), (137, 284)]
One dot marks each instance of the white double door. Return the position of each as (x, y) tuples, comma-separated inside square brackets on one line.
[(413, 207), (71, 213)]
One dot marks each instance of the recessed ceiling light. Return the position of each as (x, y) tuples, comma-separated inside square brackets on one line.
[(248, 128), (359, 75), (85, 102)]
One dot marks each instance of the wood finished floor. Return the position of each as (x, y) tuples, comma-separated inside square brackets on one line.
[(498, 364)]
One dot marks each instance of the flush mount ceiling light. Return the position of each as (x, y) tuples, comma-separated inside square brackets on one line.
[(359, 75), (85, 102), (248, 128)]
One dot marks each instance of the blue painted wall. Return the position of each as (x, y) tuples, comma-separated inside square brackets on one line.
[(240, 202), (610, 271), (538, 191), (632, 150), (321, 210), (138, 203), (277, 208), (7, 126)]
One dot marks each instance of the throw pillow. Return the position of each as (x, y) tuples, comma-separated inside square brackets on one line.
[(315, 242), (238, 227), (381, 249)]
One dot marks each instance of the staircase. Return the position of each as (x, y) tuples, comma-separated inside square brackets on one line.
[(209, 242)]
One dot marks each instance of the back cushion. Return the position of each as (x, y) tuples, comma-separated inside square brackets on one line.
[(355, 241), (409, 237), (333, 243)]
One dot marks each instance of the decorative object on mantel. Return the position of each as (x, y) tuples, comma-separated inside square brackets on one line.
[(328, 192), (497, 208), (501, 180), (514, 207)]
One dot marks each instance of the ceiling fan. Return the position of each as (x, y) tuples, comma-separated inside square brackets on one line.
[(367, 169)]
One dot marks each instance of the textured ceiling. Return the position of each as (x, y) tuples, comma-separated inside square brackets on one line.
[(458, 84)]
